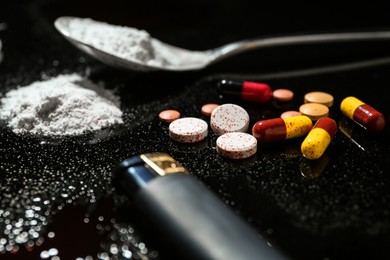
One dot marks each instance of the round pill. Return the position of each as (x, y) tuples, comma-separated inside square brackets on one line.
[(283, 94), (169, 115), (314, 110), (236, 145), (290, 114), (208, 109), (319, 97), (229, 118), (188, 130)]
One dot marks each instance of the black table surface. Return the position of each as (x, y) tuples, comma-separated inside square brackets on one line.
[(57, 193)]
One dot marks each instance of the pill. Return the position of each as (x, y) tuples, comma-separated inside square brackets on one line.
[(290, 113), (169, 115), (208, 109), (279, 129), (245, 90), (283, 95), (319, 138), (236, 145), (319, 97), (188, 130), (314, 110), (363, 114), (229, 118)]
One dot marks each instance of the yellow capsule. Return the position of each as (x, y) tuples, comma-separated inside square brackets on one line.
[(349, 105), (319, 138), (363, 114), (297, 126)]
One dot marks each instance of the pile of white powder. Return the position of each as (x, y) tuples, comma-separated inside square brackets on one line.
[(61, 106)]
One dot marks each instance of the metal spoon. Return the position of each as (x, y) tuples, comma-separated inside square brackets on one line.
[(187, 60)]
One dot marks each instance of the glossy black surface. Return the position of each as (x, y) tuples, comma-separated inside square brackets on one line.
[(333, 208)]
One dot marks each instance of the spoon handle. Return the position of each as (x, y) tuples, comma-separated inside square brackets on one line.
[(247, 45)]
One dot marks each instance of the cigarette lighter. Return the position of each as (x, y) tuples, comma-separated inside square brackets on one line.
[(188, 215)]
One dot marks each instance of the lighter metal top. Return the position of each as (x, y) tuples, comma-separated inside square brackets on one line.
[(162, 163)]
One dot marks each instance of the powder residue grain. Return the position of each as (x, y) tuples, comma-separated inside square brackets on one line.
[(65, 105)]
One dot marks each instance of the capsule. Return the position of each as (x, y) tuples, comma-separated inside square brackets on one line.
[(363, 114), (319, 138), (279, 129), (245, 90)]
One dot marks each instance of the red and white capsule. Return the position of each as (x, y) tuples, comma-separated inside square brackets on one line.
[(319, 138)]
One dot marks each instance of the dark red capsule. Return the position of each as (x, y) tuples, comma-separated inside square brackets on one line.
[(271, 130), (373, 120), (279, 129)]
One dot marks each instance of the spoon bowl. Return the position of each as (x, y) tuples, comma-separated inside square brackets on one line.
[(179, 59)]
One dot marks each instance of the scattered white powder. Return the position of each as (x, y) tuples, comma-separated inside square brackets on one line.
[(131, 44), (64, 105)]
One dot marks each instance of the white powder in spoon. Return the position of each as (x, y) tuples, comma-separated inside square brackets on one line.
[(124, 42), (61, 106), (130, 43)]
